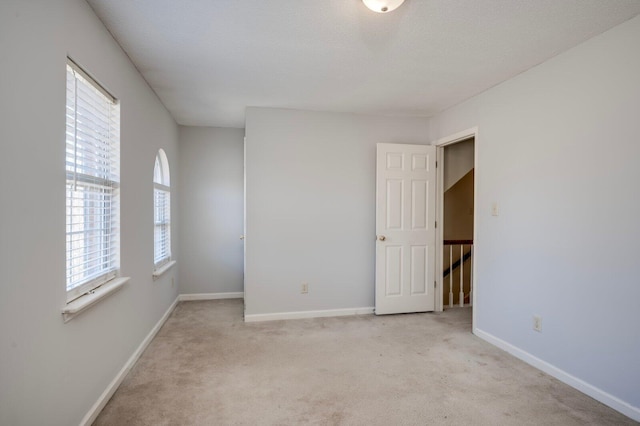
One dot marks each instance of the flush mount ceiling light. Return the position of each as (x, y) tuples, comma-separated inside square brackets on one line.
[(382, 6)]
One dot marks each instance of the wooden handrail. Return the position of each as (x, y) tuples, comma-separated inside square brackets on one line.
[(457, 242)]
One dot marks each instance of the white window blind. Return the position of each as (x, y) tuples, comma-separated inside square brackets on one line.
[(93, 175), (162, 211)]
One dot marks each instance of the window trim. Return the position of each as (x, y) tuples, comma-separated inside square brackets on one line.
[(92, 80), (79, 305), (160, 270)]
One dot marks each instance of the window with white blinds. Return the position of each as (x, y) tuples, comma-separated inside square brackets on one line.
[(162, 211), (93, 176)]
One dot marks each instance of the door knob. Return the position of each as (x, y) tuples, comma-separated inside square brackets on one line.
[(242, 237), (382, 238)]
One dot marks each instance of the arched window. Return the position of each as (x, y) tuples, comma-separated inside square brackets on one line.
[(161, 211)]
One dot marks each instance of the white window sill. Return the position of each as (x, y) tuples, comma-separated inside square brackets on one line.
[(162, 269), (76, 307)]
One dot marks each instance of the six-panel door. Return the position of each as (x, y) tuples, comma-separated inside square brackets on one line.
[(405, 222)]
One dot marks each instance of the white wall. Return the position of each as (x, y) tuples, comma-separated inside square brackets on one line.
[(458, 160), (211, 191), (51, 372), (558, 149), (311, 206)]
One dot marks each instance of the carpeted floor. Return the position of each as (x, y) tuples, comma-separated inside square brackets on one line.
[(207, 367)]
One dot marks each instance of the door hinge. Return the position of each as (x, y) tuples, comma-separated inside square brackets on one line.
[(436, 164), (435, 284), (436, 224)]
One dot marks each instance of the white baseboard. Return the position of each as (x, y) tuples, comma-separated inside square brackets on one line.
[(308, 314), (584, 387), (91, 416), (210, 296)]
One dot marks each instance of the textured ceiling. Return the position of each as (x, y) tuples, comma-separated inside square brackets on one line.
[(209, 59)]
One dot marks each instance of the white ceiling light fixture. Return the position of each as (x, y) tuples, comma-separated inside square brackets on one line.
[(383, 6)]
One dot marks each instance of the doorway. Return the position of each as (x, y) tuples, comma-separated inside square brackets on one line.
[(456, 213)]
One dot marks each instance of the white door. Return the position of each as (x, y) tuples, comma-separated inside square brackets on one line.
[(405, 222)]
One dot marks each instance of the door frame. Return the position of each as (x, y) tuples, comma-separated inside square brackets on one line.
[(440, 144), (243, 237)]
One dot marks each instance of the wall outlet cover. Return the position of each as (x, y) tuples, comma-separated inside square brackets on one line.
[(537, 323)]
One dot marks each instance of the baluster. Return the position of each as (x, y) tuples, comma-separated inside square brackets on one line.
[(451, 276), (461, 295)]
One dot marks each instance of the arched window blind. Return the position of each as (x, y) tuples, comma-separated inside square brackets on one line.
[(162, 210), (93, 176)]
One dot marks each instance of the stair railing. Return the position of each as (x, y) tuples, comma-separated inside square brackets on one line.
[(468, 256)]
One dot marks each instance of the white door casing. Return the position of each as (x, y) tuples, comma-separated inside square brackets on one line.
[(405, 228)]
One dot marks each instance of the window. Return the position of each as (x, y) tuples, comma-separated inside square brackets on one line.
[(93, 176), (162, 211)]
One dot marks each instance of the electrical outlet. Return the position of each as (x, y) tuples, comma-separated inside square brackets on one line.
[(537, 323), (304, 289)]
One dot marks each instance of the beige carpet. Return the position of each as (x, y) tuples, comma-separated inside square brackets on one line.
[(207, 367)]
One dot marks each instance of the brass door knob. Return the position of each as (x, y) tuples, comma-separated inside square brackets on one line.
[(382, 238)]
